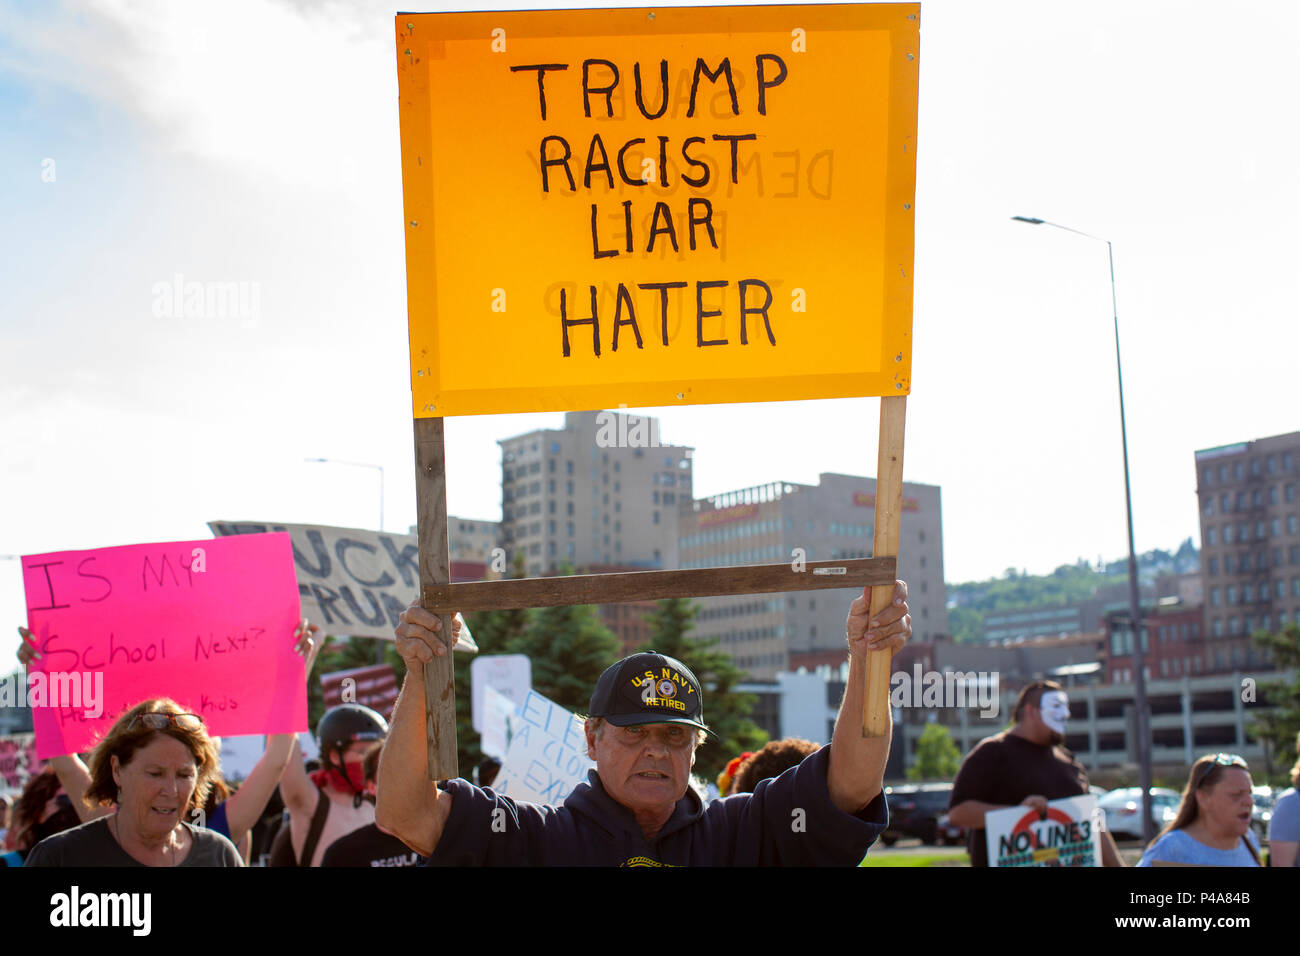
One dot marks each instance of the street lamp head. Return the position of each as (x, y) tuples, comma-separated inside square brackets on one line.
[(1032, 222)]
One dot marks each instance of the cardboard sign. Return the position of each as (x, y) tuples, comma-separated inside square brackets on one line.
[(1070, 836), (547, 756), (350, 581), (374, 687), (18, 760), (207, 623), (677, 206), (497, 723)]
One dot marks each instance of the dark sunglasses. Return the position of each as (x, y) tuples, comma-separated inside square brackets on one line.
[(1220, 760), (161, 721)]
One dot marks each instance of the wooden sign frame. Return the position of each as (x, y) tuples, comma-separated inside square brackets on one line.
[(443, 598)]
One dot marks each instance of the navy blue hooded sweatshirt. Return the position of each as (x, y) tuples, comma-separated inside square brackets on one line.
[(787, 821)]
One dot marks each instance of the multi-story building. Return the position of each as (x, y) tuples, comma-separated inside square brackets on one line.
[(601, 491), (1250, 541), (1179, 646), (783, 522), (471, 539)]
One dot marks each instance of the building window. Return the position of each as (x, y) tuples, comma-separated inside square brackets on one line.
[(1232, 595), (1214, 597), (1213, 567), (1209, 506), (1211, 539)]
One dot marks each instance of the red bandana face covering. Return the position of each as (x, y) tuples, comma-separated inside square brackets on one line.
[(353, 783)]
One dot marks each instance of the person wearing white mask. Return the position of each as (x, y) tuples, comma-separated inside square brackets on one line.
[(1026, 765)]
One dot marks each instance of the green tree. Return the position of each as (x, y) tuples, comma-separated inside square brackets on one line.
[(1278, 727), (937, 757), (569, 648), (726, 710)]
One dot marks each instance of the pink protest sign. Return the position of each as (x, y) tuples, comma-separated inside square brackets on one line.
[(207, 623)]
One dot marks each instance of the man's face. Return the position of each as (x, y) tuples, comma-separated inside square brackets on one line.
[(646, 768)]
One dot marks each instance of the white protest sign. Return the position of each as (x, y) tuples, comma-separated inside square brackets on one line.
[(499, 720), (1069, 836), (547, 756), (508, 674)]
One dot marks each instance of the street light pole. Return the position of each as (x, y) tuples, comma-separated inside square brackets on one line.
[(360, 464), (1135, 611)]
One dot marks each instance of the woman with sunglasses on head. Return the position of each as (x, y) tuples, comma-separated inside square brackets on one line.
[(1212, 827), (157, 763)]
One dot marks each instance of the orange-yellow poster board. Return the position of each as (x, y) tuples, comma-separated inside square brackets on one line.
[(658, 207)]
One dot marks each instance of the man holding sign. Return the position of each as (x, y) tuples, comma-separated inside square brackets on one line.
[(637, 809)]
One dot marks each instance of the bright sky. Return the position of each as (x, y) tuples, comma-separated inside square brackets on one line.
[(257, 141)]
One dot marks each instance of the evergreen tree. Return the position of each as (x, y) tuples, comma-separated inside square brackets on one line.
[(1280, 726), (726, 711), (937, 757), (569, 649)]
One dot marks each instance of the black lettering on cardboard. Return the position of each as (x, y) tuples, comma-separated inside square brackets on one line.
[(663, 90), (592, 166), (376, 616), (547, 163), (159, 574), (763, 83), (662, 212), (723, 67), (406, 562), (596, 251), (663, 288), (341, 547), (541, 69), (326, 598), (45, 566), (565, 321), (759, 310), (317, 542), (625, 296), (622, 169), (588, 89), (701, 314), (733, 139), (706, 221), (108, 585), (702, 180)]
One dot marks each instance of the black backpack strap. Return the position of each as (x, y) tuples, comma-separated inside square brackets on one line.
[(317, 825)]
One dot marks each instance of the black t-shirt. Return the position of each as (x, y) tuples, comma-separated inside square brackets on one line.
[(91, 844), (369, 846), (1006, 768)]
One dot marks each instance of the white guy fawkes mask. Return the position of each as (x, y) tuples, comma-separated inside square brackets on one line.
[(1055, 706)]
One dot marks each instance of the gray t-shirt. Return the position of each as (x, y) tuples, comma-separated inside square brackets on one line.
[(1285, 825), (91, 844), (1177, 846)]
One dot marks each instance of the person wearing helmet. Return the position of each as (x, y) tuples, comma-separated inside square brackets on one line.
[(332, 801)]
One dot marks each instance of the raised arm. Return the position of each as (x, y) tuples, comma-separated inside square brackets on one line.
[(408, 804), (857, 763), (72, 772), (246, 805)]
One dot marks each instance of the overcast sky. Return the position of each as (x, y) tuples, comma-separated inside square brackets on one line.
[(257, 142)]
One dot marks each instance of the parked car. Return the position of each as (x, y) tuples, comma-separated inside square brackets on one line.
[(948, 833), (914, 811), (1121, 809)]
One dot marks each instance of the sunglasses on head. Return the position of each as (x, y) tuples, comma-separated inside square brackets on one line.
[(161, 721), (1220, 760)]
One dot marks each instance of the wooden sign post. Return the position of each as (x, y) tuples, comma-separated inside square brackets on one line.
[(660, 207)]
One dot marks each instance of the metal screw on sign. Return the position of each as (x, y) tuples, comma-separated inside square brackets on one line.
[(414, 223)]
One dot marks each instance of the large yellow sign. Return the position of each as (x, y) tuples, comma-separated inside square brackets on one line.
[(658, 207)]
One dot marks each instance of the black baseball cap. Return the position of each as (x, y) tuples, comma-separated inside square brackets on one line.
[(649, 688)]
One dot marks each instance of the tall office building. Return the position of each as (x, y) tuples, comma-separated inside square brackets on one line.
[(601, 491), (779, 522), (1250, 543)]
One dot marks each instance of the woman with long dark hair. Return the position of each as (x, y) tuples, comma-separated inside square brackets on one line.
[(1212, 827)]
